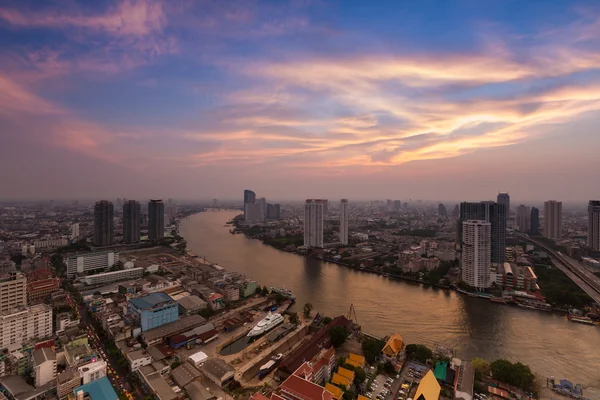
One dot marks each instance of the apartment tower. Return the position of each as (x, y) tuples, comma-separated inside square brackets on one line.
[(156, 220), (104, 228), (553, 219), (476, 253), (131, 221), (344, 221), (593, 239), (313, 223)]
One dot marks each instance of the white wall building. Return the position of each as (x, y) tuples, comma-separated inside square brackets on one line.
[(313, 223), (476, 253), (344, 221), (138, 359), (13, 292), (84, 262), (44, 366), (45, 243), (553, 219), (25, 323), (114, 276), (74, 231), (92, 371)]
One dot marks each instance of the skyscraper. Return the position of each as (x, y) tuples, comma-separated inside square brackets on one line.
[(523, 218), (553, 219), (104, 225), (276, 211), (495, 214), (131, 221), (593, 239), (476, 253), (344, 221), (442, 211), (535, 221), (313, 223), (325, 206), (504, 198), (156, 219), (249, 198)]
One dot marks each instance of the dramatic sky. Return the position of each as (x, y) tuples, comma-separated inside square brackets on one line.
[(294, 99)]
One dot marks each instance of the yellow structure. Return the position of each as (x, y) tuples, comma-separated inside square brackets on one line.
[(393, 346), (355, 360), (335, 391), (429, 388), (338, 380), (361, 397), (347, 374)]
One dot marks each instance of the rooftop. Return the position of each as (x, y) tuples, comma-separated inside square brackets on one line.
[(43, 354), (160, 387), (197, 391), (185, 374), (100, 389), (305, 389), (429, 388), (136, 355), (181, 325), (151, 300), (217, 368), (192, 303)]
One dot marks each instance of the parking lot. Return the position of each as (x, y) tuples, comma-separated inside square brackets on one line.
[(382, 387)]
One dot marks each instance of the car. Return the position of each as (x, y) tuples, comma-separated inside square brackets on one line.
[(398, 376)]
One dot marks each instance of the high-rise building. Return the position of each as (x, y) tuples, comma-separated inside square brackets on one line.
[(397, 205), (535, 221), (131, 221), (156, 220), (249, 198), (13, 291), (553, 219), (325, 206), (24, 323), (523, 218), (74, 231), (495, 214), (104, 225), (476, 253), (442, 211), (313, 223), (276, 211), (593, 239), (504, 198), (344, 221)]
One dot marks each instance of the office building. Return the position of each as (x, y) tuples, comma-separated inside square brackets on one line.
[(553, 219), (132, 222), (344, 221), (156, 220), (504, 198), (325, 206), (104, 229), (476, 253), (154, 310), (249, 198), (523, 218), (534, 221), (83, 263), (593, 239), (44, 366), (495, 214), (254, 212), (113, 276), (442, 211), (13, 291), (313, 223), (25, 323)]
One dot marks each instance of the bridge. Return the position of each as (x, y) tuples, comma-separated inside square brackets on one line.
[(587, 281)]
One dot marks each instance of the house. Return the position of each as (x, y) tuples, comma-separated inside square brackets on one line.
[(429, 388), (394, 346)]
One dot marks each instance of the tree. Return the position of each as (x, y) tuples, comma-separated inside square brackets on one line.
[(418, 352), (359, 375), (307, 309), (371, 349), (326, 320), (294, 318), (517, 374), (482, 368), (389, 369), (265, 291), (338, 335), (258, 290), (349, 394)]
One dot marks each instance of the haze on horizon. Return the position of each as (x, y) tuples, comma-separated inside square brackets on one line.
[(449, 100)]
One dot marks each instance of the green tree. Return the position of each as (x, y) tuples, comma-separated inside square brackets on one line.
[(326, 320), (418, 352), (517, 374), (359, 375), (388, 367), (258, 290), (338, 334), (371, 349), (349, 394), (307, 309), (294, 318), (265, 291)]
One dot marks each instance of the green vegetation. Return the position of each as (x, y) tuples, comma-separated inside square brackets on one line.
[(79, 246), (307, 309), (516, 374), (416, 232), (294, 318), (206, 313), (559, 290), (435, 275), (175, 365), (284, 241), (388, 367), (338, 334), (349, 394), (265, 291), (418, 352), (371, 349), (326, 320)]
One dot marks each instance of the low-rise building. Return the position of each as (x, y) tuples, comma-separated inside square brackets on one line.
[(138, 359), (189, 305), (218, 371), (100, 389), (154, 310), (113, 276), (83, 263), (44, 366)]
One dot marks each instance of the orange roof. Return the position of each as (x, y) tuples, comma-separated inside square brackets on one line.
[(361, 397), (429, 388), (346, 373), (394, 345), (356, 358), (334, 390), (352, 362), (338, 379)]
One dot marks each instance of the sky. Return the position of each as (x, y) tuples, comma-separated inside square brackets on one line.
[(452, 100)]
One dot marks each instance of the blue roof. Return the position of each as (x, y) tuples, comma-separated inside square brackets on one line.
[(146, 302), (100, 389)]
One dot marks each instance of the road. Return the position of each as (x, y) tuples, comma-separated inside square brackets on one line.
[(583, 278), (118, 374)]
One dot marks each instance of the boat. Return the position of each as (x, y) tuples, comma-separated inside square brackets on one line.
[(266, 324), (267, 368), (499, 300), (581, 320), (284, 292)]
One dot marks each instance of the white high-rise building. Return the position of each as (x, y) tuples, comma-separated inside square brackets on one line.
[(553, 219), (13, 291), (313, 223), (593, 239), (74, 231), (476, 253), (523, 218), (344, 221), (24, 323)]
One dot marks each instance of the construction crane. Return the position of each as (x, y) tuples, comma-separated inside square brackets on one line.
[(352, 314)]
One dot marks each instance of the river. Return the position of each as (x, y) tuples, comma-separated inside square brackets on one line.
[(547, 342)]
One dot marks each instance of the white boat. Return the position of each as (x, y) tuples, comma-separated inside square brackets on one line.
[(266, 324)]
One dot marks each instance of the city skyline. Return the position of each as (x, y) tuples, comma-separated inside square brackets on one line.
[(319, 98)]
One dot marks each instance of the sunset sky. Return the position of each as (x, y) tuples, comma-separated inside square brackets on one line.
[(439, 100)]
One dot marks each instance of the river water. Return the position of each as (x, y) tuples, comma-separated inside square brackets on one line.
[(547, 342)]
